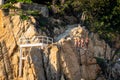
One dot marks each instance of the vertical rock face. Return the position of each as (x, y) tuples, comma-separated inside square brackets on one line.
[(66, 59), (33, 68), (77, 58), (11, 29), (69, 62), (54, 63)]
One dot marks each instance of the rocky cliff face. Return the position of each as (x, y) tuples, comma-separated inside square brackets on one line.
[(66, 59), (11, 30)]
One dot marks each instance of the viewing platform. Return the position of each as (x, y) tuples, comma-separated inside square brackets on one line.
[(36, 41)]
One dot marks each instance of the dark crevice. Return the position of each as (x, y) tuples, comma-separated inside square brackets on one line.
[(2, 58), (59, 60), (6, 61), (42, 1), (44, 69), (62, 70)]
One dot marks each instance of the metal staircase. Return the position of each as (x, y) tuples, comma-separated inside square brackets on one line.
[(36, 41)]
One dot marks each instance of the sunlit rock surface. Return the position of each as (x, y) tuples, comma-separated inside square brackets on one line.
[(62, 60)]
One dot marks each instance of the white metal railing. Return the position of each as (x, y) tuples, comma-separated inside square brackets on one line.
[(35, 40), (40, 41)]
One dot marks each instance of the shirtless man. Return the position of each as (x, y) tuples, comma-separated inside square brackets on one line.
[(82, 42), (86, 42), (79, 42), (75, 41)]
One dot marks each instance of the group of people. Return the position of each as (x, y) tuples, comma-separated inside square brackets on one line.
[(81, 42)]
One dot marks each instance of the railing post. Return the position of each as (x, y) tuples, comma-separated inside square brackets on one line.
[(20, 64), (43, 40), (52, 41)]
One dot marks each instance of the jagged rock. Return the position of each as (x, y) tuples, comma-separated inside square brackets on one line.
[(70, 19), (54, 63), (41, 8), (55, 9), (64, 60), (69, 62), (35, 65), (77, 31), (2, 72), (88, 66), (12, 28), (116, 70), (66, 33), (62, 78)]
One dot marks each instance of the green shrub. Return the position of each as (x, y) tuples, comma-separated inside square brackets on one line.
[(6, 6), (24, 17), (24, 1)]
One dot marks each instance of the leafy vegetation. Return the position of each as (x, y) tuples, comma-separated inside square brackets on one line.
[(23, 14), (6, 6), (107, 66), (23, 1), (24, 17), (101, 16), (9, 3)]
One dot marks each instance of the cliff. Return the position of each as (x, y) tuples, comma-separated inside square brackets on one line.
[(65, 59)]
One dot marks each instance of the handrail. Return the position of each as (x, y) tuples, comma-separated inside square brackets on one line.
[(41, 41), (36, 39)]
